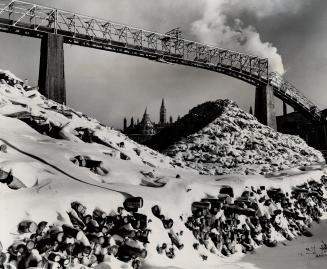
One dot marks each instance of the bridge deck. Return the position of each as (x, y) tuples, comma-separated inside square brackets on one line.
[(32, 20), (23, 18)]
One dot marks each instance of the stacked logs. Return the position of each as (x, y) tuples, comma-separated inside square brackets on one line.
[(225, 225), (175, 241), (90, 240)]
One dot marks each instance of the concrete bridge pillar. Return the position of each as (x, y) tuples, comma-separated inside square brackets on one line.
[(264, 109), (51, 72), (284, 109)]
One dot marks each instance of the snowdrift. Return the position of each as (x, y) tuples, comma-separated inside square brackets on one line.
[(235, 142), (52, 156), (61, 122)]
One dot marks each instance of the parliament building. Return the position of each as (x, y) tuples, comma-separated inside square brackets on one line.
[(143, 130)]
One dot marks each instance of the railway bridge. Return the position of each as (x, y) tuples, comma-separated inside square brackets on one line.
[(55, 27)]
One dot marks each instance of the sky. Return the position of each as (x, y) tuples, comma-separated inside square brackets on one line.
[(109, 86)]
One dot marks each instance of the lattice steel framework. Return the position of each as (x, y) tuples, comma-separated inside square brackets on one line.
[(34, 20), (291, 95)]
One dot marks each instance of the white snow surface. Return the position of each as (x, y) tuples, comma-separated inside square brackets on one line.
[(235, 142), (42, 164)]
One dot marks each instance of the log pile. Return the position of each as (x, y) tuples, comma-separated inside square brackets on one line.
[(90, 240), (223, 225), (257, 217)]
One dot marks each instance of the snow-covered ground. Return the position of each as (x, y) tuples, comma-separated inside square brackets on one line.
[(292, 255), (49, 181)]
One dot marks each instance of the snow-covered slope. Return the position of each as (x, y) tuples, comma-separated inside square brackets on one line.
[(48, 168), (235, 142), (62, 122)]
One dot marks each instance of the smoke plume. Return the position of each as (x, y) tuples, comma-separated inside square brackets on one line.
[(221, 25)]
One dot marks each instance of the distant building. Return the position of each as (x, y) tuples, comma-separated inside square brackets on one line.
[(296, 124), (143, 130)]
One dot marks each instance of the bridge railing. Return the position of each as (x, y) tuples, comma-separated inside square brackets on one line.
[(287, 89), (169, 47), (166, 46)]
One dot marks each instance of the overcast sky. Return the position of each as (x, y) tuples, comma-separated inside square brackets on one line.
[(108, 86)]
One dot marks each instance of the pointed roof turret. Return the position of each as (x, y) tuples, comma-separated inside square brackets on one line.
[(146, 116), (162, 114), (145, 111), (163, 103), (146, 125)]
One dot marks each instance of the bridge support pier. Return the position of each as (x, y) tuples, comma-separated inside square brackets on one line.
[(284, 109), (264, 109), (51, 71)]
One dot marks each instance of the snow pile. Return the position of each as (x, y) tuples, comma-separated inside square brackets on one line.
[(52, 155), (235, 142), (17, 100)]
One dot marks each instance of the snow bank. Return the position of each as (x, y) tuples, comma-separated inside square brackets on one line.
[(42, 138), (235, 142), (61, 122)]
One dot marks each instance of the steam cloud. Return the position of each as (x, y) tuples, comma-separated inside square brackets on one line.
[(221, 25)]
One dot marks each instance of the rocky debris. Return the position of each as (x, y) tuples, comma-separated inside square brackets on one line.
[(95, 166), (85, 134), (100, 141), (235, 142), (121, 144), (38, 123), (149, 174), (3, 148), (11, 181), (6, 77), (124, 157), (137, 151)]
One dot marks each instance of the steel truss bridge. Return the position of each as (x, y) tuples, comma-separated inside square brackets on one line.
[(28, 19)]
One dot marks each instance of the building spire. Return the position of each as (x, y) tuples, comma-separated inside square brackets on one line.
[(125, 124), (146, 116), (163, 113)]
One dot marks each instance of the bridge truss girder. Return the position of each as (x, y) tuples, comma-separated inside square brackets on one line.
[(169, 47), (292, 96), (34, 20)]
